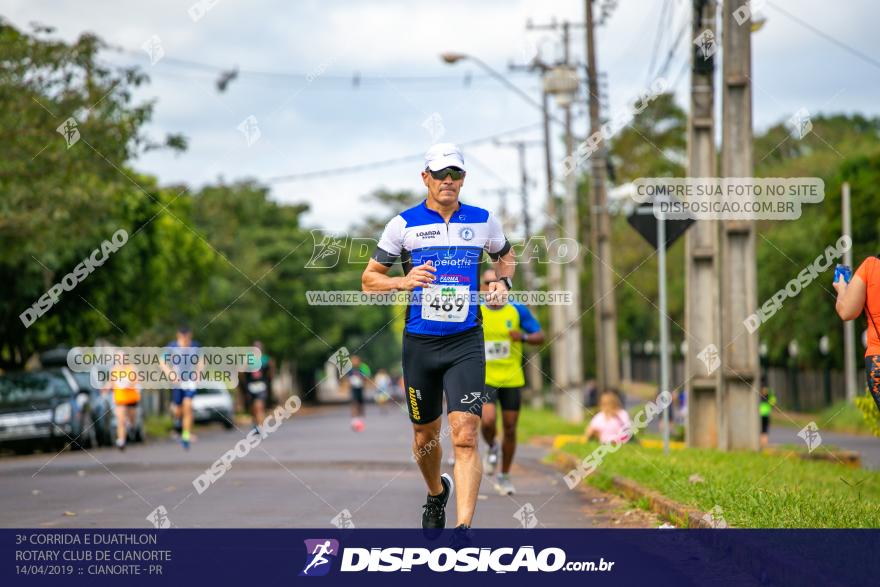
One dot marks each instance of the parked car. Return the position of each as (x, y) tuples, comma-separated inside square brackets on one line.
[(45, 409), (213, 403)]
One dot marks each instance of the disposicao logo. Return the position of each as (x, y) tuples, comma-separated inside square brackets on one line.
[(320, 554)]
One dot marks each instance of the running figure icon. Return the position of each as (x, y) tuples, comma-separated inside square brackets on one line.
[(319, 557)]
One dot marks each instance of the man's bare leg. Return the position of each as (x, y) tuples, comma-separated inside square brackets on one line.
[(508, 446), (488, 424), (468, 469), (428, 454)]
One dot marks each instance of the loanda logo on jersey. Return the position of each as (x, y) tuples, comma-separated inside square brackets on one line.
[(466, 233), (428, 234)]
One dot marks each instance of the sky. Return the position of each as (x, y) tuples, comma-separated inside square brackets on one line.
[(311, 116)]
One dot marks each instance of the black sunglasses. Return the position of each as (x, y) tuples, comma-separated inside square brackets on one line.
[(453, 172)]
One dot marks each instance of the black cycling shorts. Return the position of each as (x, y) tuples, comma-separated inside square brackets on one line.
[(454, 363), (357, 395), (509, 397)]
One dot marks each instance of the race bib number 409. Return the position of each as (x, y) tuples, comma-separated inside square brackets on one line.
[(497, 349), (445, 303)]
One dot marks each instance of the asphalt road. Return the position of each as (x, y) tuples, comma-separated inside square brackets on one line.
[(313, 471), (867, 446)]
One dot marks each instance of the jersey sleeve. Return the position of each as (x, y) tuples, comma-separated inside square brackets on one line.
[(391, 243), (527, 320), (866, 269), (497, 244)]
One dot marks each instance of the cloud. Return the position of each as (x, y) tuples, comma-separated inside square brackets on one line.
[(329, 123)]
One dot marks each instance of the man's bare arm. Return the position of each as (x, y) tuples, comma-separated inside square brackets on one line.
[(376, 279), (505, 266)]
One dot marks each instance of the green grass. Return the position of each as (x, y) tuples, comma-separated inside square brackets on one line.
[(158, 426), (841, 417), (754, 490), (544, 423)]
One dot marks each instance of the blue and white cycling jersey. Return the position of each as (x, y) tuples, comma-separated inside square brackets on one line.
[(449, 305)]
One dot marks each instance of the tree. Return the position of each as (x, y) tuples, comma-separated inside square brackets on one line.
[(654, 144), (69, 128)]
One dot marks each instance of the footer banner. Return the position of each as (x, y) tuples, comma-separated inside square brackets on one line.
[(473, 557)]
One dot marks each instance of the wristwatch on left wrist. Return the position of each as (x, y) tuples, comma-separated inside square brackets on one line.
[(508, 282)]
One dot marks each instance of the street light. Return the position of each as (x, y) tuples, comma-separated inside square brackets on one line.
[(567, 370), (562, 83), (452, 58)]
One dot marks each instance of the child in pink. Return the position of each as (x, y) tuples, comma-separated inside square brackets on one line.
[(611, 422)]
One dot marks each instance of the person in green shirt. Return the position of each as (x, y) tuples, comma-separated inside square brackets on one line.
[(357, 381), (506, 327), (768, 401)]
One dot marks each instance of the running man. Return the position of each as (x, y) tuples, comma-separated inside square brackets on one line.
[(506, 327), (258, 386), (768, 402), (357, 381), (440, 243), (182, 363), (383, 389), (126, 396)]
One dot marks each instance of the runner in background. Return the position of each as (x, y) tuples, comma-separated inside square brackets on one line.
[(768, 401), (505, 328), (126, 396), (383, 389), (182, 363), (357, 381), (258, 386)]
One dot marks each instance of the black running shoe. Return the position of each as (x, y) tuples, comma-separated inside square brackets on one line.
[(434, 514), (461, 537)]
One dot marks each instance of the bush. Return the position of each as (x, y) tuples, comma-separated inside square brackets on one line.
[(870, 413)]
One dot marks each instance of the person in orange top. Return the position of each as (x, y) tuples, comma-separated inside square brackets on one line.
[(863, 292), (126, 396)]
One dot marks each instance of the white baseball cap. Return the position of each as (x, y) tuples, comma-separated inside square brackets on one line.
[(444, 155)]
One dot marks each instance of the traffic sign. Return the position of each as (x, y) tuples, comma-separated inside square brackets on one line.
[(645, 223)]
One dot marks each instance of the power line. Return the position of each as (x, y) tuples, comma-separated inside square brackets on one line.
[(658, 37), (218, 70), (387, 162), (827, 37), (672, 49)]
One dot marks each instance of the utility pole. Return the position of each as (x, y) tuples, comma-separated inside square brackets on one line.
[(503, 212), (849, 326), (740, 377), (571, 402), (533, 363), (558, 373), (569, 377), (607, 367), (554, 269), (702, 320)]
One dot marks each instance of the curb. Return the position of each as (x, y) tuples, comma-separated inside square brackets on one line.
[(680, 514), (850, 458)]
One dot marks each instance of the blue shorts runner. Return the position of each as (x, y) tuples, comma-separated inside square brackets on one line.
[(178, 395)]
